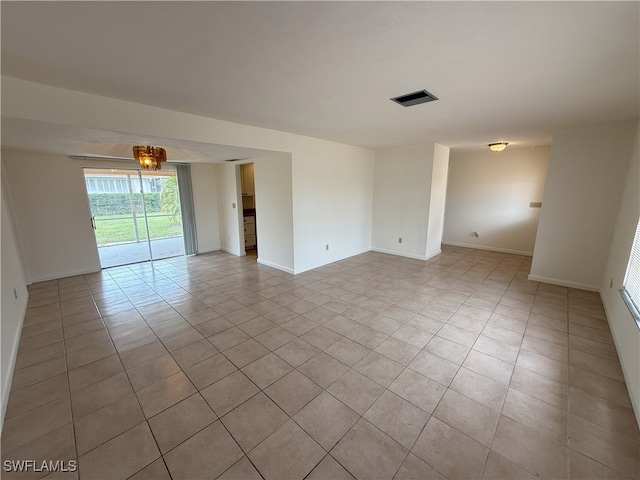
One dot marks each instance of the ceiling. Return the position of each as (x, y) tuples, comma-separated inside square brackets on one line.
[(512, 71)]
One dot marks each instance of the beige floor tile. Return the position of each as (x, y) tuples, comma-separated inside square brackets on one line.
[(450, 452), (106, 423), (39, 355), (356, 391), (212, 326), (397, 350), (347, 351), (367, 336), (37, 373), (177, 423), (529, 450), (619, 419), (366, 452), (600, 386), (94, 372), (475, 420), (165, 393), (253, 421), (266, 370), (256, 326), (122, 456), (209, 371), (396, 417), (297, 351), (503, 351), (154, 471), (489, 367), (603, 445), (454, 352), (546, 419), (328, 468), (583, 467), (28, 398), (153, 371), (412, 335), (275, 338), (596, 364), (418, 389), (326, 419), (434, 367), (35, 423), (292, 392), (545, 348), (226, 394), (415, 469), (552, 369), (58, 444), (206, 455), (228, 339), (241, 470), (539, 387), (245, 353), (323, 369), (181, 339), (502, 334), (91, 354), (287, 453), (139, 355), (500, 467), (100, 394), (379, 368), (194, 353), (321, 337)]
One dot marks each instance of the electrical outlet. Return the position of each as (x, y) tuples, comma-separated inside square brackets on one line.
[(399, 239), (476, 234), (535, 205), (326, 247), (15, 294), (233, 205), (611, 284)]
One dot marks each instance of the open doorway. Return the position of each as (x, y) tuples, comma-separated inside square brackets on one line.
[(135, 215), (247, 180)]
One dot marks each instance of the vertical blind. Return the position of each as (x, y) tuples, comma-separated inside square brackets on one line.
[(183, 172), (631, 285)]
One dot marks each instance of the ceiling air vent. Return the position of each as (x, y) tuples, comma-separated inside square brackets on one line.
[(415, 98)]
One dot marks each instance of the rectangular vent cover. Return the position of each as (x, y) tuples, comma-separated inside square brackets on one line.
[(415, 98)]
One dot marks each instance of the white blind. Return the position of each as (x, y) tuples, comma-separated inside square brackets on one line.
[(632, 278)]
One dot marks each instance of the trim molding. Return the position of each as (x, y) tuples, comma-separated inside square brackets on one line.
[(401, 254), (57, 276), (564, 283), (274, 265), (12, 363), (312, 266), (491, 249), (237, 253)]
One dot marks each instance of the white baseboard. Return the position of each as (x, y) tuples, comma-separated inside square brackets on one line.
[(491, 249), (333, 260), (564, 283), (6, 388), (274, 265), (400, 254), (56, 276), (237, 253)]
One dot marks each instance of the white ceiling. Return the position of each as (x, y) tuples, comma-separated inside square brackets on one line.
[(511, 71)]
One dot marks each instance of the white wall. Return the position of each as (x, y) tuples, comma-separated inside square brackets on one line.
[(409, 198), (489, 193), (274, 211), (437, 201), (205, 202), (332, 204), (230, 208), (625, 332), (13, 309), (52, 212), (401, 200), (586, 173)]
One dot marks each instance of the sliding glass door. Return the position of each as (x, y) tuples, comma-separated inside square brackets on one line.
[(135, 215)]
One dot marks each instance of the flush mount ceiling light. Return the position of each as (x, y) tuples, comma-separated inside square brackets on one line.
[(150, 157), (498, 147)]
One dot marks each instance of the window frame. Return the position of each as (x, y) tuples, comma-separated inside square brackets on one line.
[(633, 304)]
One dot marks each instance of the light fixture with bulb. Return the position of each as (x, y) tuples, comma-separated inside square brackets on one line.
[(150, 157), (497, 147)]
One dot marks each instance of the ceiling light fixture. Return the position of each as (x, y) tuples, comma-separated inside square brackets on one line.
[(150, 157), (498, 147)]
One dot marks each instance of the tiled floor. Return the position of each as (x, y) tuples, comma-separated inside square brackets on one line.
[(372, 367)]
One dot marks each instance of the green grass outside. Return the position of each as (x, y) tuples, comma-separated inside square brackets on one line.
[(114, 229)]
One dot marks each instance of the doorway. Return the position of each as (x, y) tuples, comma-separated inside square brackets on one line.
[(135, 215)]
